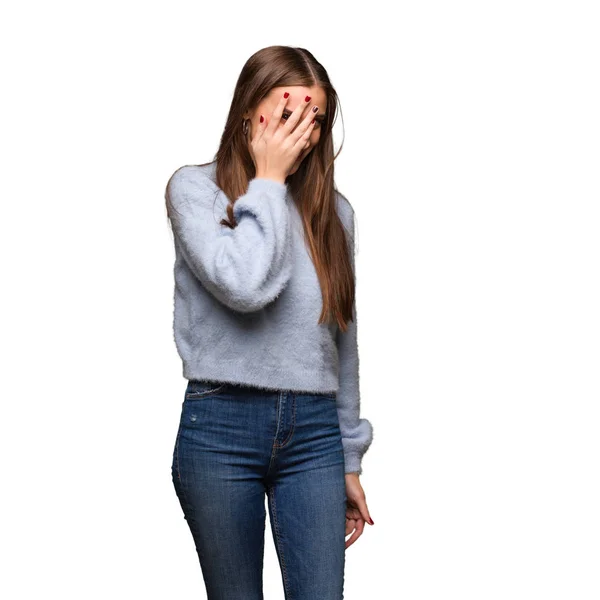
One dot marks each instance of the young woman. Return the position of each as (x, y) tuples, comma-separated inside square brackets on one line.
[(265, 324)]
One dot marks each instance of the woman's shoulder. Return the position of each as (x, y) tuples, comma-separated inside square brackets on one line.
[(345, 211), (195, 181), (203, 173), (343, 204)]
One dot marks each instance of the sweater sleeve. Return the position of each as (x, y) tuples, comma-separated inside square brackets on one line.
[(357, 433), (247, 267)]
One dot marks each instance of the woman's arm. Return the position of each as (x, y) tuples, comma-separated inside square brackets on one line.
[(357, 433), (247, 267)]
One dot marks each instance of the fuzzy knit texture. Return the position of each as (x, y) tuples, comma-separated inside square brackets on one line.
[(247, 300)]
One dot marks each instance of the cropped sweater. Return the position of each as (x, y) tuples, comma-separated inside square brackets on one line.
[(247, 300)]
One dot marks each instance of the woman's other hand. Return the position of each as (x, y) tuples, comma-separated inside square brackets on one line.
[(357, 512)]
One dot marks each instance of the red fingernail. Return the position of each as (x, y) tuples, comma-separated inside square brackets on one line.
[(261, 118), (312, 121), (286, 95), (307, 99), (372, 522)]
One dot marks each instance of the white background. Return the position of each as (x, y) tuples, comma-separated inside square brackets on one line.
[(471, 156)]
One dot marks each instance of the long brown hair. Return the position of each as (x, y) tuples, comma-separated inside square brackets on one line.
[(312, 186)]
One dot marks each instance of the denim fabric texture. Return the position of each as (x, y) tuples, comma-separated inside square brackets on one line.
[(239, 448)]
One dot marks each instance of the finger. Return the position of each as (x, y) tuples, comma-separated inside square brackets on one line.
[(350, 526), (276, 115), (306, 125), (303, 139), (352, 539), (360, 526), (364, 511), (260, 129), (290, 123)]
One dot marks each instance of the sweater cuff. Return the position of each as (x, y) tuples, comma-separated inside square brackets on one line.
[(352, 462), (261, 184)]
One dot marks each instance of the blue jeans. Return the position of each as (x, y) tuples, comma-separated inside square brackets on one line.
[(234, 445)]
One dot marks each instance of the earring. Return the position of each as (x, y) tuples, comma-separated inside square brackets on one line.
[(245, 126)]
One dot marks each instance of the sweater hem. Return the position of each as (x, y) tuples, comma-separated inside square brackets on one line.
[(268, 380)]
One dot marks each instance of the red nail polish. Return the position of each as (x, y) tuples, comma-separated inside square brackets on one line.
[(307, 99), (372, 522), (286, 95), (261, 118), (312, 121)]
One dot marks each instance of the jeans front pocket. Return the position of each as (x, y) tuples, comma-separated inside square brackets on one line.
[(203, 389)]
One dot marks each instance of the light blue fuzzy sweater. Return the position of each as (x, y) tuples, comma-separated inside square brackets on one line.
[(247, 300)]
